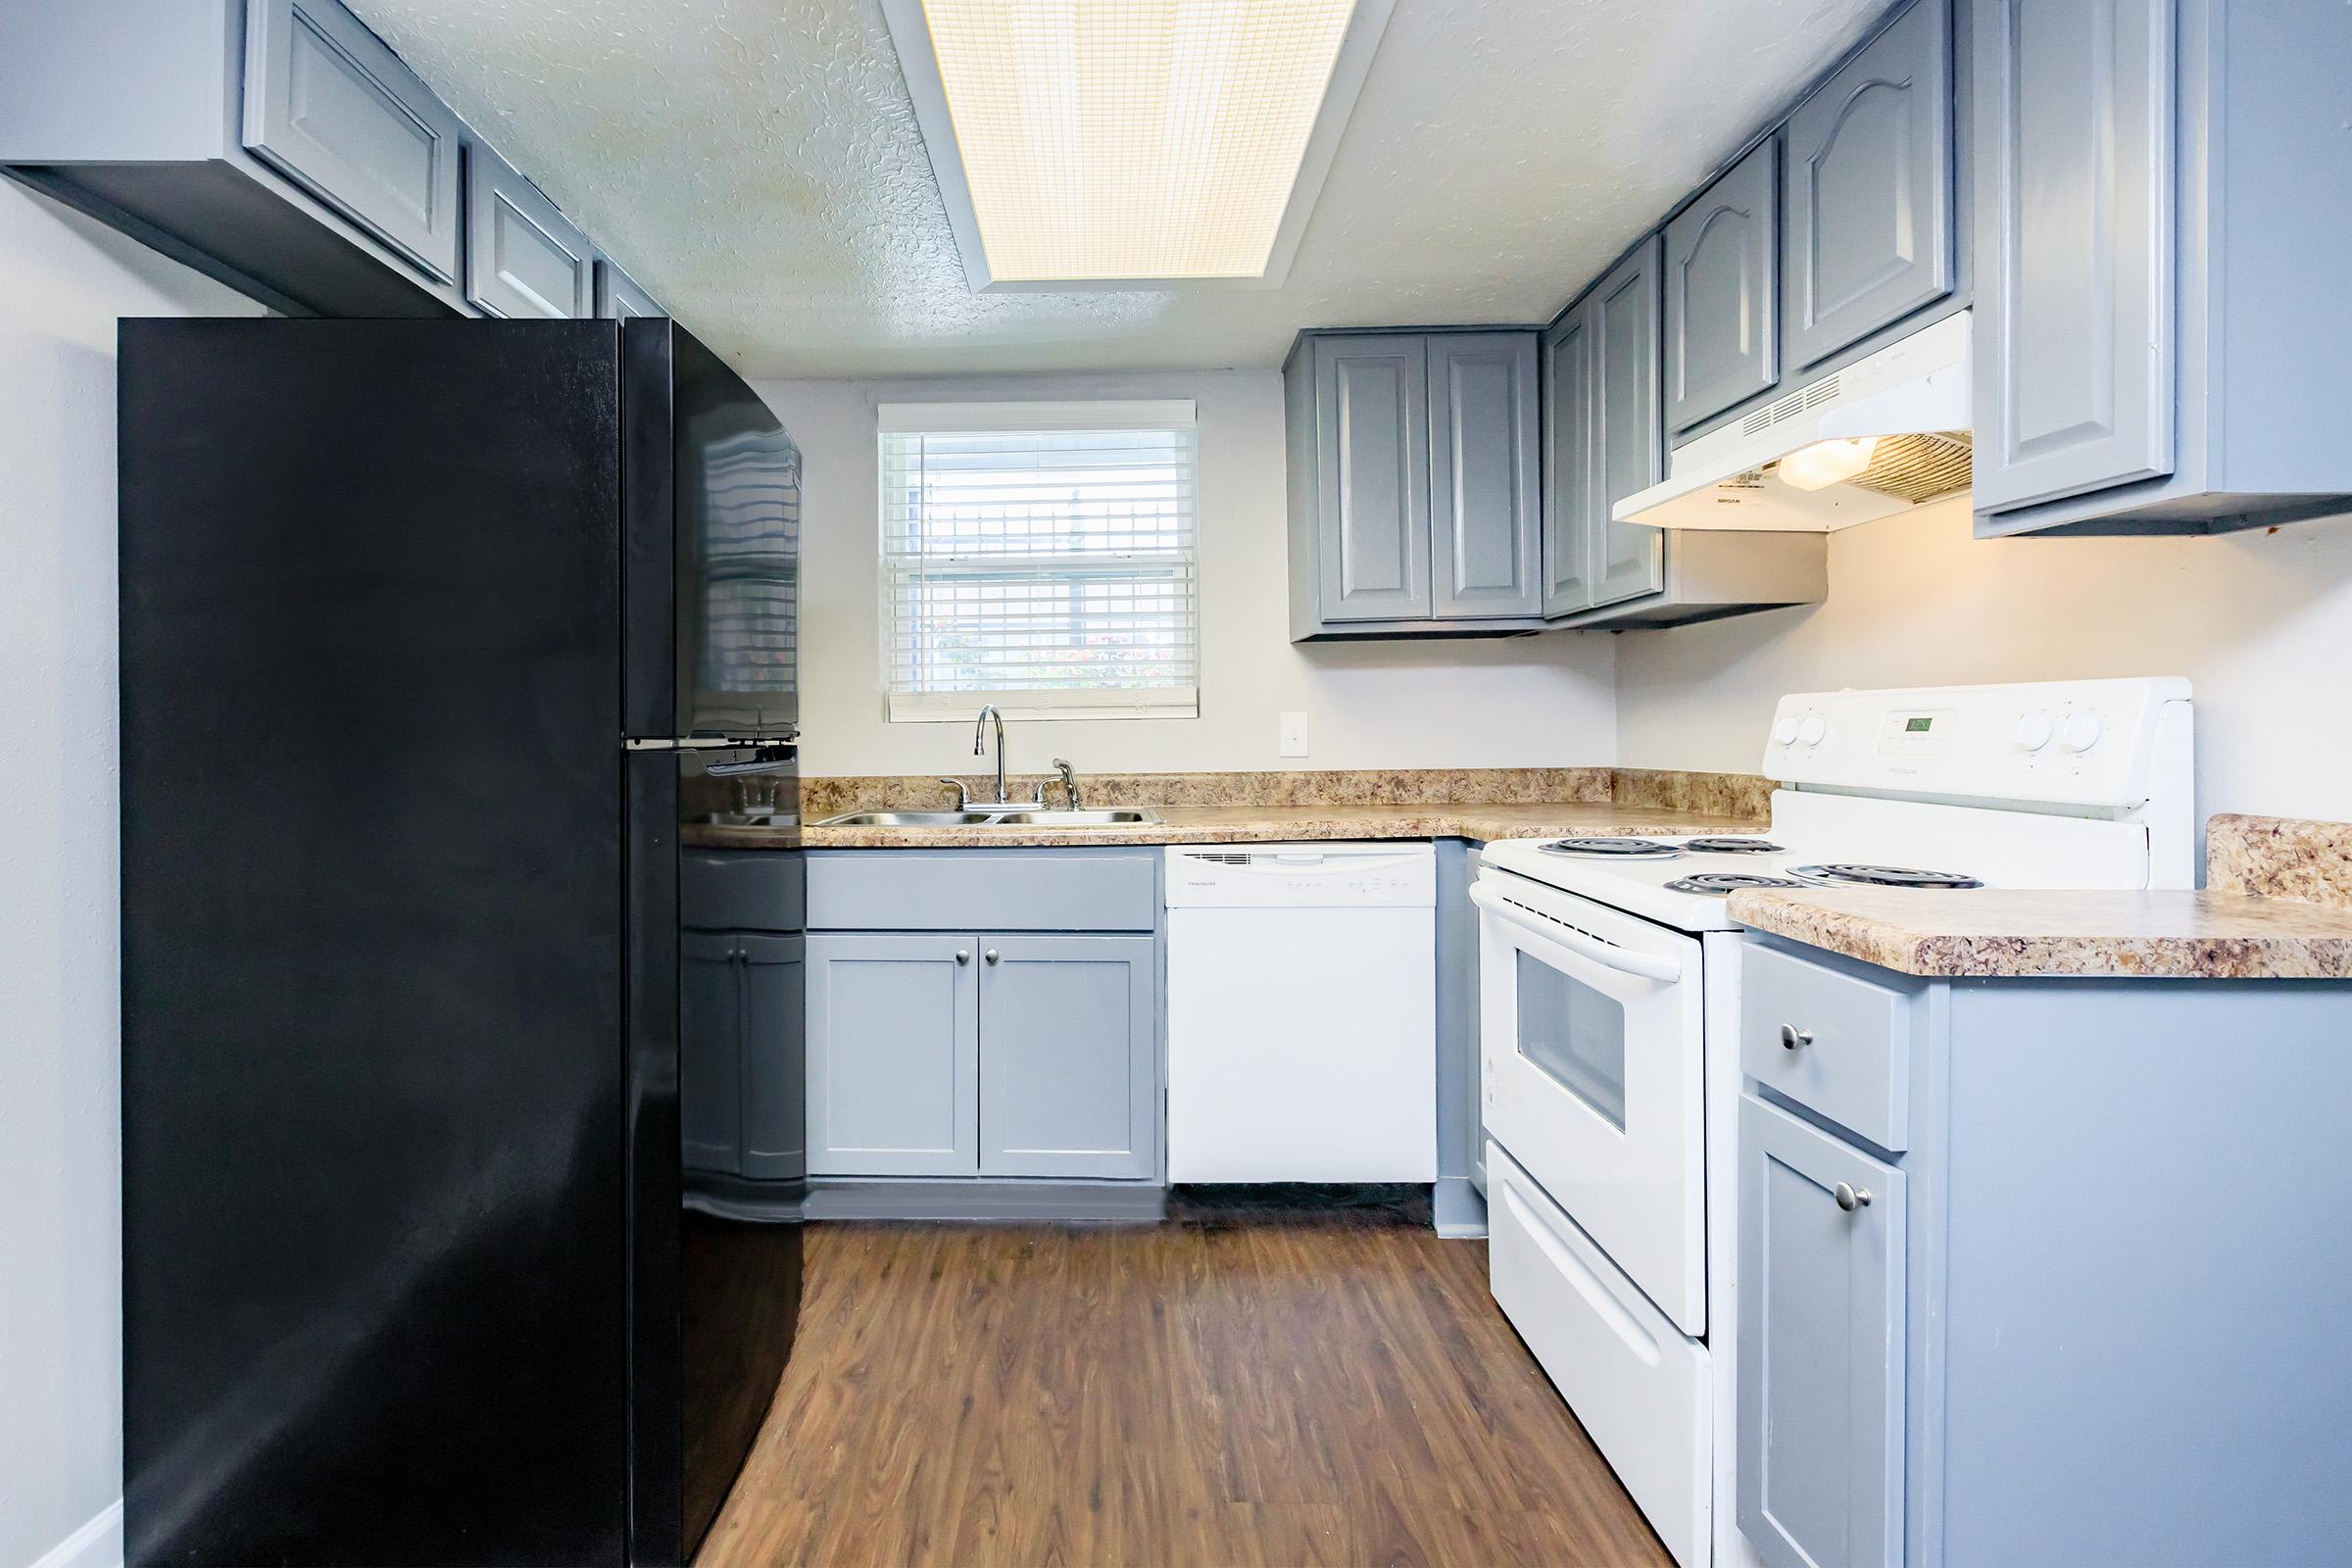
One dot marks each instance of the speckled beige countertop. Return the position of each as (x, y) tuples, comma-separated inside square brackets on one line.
[(1274, 806), (1248, 823), (2230, 931)]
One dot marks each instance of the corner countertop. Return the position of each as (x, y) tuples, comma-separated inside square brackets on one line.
[(1241, 823), (1989, 933)]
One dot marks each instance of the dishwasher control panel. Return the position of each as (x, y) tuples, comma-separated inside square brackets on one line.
[(1286, 876)]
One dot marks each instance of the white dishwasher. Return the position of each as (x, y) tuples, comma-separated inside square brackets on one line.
[(1303, 1012)]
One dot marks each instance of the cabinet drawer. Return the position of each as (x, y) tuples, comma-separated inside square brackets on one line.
[(984, 890), (1830, 1041), (741, 890)]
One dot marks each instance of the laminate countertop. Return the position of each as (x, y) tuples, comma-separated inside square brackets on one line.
[(1241, 823), (1998, 933)]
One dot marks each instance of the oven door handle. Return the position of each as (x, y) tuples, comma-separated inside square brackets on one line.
[(1607, 955)]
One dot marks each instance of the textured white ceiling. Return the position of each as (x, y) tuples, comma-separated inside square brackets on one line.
[(755, 165)]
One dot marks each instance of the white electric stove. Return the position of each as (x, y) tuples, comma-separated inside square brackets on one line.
[(1609, 990)]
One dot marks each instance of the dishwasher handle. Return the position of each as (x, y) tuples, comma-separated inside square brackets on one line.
[(1608, 955)]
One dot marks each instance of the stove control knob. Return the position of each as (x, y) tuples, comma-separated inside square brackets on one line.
[(1814, 730), (2035, 731), (1784, 733), (2080, 731)]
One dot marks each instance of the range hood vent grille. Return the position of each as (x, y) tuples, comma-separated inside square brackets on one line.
[(1920, 467), (1804, 399)]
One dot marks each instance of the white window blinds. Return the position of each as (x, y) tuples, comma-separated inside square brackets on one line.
[(1042, 556)]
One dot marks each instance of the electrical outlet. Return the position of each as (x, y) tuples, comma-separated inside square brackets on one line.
[(1293, 734)]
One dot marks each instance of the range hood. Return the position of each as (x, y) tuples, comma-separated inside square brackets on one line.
[(1879, 436)]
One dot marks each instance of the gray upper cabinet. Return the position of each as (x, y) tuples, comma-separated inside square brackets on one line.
[(1868, 193), (1822, 1230), (1372, 441), (1069, 1061), (1722, 297), (2162, 202), (329, 104), (617, 296), (1630, 446), (2074, 323), (523, 258), (893, 1054), (1571, 420), (1483, 477), (1603, 440), (1416, 483)]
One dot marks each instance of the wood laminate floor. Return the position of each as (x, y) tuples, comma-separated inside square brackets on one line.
[(1332, 1391)]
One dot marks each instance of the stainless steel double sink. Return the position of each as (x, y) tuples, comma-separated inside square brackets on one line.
[(1007, 816)]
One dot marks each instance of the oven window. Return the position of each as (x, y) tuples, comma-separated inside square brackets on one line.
[(1575, 1036)]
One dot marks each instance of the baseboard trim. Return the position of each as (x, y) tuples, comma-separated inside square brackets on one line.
[(984, 1201), (98, 1544), (1458, 1210)]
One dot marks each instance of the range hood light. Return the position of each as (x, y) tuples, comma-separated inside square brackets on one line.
[(1826, 463)]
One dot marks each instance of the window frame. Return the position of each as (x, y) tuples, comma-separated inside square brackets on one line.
[(1032, 703)]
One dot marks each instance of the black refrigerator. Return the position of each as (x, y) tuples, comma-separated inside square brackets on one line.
[(424, 625)]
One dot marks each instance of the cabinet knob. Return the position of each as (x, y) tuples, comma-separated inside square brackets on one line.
[(1851, 1198), (1793, 1037), (990, 954), (963, 954)]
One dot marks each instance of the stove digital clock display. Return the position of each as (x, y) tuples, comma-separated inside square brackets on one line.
[(1919, 725)]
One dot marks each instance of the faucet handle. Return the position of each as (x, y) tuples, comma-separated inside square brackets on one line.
[(963, 793)]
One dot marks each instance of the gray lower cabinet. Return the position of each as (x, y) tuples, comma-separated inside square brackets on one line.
[(331, 106), (2162, 204), (1069, 1064), (983, 1053), (523, 258), (1414, 484), (1867, 190), (741, 1004), (893, 1054), (1483, 477), (1821, 1352), (1722, 292), (2061, 1323)]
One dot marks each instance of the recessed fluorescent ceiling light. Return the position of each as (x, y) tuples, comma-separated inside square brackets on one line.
[(1121, 141)]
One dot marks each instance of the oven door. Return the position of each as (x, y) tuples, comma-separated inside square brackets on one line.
[(1591, 1039)]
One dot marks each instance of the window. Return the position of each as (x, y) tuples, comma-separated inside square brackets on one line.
[(1040, 555)]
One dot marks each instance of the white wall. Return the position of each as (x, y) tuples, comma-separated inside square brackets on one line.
[(2260, 622), (61, 1446), (1508, 703)]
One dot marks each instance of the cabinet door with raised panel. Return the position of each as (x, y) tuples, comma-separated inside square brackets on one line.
[(329, 104), (1372, 484), (617, 296), (772, 973), (523, 258), (1822, 1230), (1069, 1061), (1629, 445), (1868, 192), (1483, 479), (1571, 488), (894, 1056), (1722, 295), (2073, 354), (711, 1052)]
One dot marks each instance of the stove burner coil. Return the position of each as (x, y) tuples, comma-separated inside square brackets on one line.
[(1720, 883), (1731, 846), (1612, 849), (1885, 877)]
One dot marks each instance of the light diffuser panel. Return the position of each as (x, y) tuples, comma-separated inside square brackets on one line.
[(1131, 139)]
